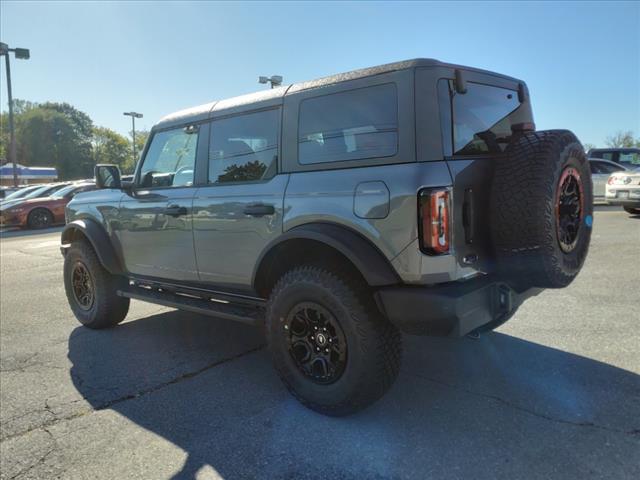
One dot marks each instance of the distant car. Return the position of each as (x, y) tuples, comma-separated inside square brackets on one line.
[(623, 188), (628, 157), (21, 192), (601, 170), (45, 190), (4, 191), (41, 212)]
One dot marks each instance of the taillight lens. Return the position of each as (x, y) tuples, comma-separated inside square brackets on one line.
[(434, 209)]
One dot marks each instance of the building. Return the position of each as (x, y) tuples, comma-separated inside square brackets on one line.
[(27, 175)]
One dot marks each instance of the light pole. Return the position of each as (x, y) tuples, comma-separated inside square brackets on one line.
[(22, 54), (133, 116), (274, 80)]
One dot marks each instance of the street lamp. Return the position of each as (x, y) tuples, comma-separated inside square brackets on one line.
[(22, 54), (133, 116), (274, 80)]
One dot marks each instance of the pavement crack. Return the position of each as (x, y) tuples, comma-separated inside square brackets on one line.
[(184, 376), (534, 413), (108, 404)]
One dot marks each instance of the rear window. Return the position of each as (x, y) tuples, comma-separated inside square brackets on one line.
[(482, 118), (350, 125)]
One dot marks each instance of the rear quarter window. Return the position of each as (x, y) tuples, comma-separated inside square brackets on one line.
[(350, 125), (482, 118)]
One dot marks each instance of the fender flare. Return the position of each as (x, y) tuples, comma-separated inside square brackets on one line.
[(99, 240), (365, 256)]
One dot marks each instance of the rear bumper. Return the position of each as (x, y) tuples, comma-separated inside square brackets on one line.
[(451, 309)]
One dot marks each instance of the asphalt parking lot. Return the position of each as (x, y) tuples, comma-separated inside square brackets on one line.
[(554, 393)]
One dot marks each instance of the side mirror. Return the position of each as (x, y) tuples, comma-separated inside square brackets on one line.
[(107, 176)]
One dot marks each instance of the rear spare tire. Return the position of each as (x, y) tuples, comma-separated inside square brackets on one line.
[(542, 209)]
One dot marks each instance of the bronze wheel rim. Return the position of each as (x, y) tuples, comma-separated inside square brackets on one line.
[(569, 209), (83, 287)]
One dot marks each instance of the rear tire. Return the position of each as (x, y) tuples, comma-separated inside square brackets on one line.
[(632, 211), (312, 310), (92, 290), (39, 218), (542, 210)]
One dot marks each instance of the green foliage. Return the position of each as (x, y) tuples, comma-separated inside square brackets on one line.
[(49, 137), (61, 136), (111, 147)]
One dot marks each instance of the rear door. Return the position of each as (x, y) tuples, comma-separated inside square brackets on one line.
[(155, 217), (239, 211)]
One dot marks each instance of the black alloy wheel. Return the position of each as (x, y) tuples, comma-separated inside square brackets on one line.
[(316, 342)]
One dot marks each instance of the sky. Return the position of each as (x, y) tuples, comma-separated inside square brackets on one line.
[(581, 60)]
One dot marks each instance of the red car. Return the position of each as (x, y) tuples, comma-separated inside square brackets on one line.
[(41, 212)]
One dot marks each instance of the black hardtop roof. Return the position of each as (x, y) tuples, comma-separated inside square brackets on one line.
[(275, 95)]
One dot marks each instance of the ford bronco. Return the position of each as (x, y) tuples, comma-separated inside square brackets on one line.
[(411, 197)]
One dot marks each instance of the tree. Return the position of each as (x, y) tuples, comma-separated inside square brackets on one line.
[(622, 140), (48, 137), (111, 147)]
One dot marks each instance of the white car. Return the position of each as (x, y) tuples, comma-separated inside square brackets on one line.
[(623, 188), (601, 170)]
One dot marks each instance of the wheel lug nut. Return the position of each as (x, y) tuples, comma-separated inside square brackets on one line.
[(326, 350)]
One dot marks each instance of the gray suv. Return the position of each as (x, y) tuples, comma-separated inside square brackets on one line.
[(411, 197)]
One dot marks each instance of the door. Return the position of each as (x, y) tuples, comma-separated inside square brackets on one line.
[(239, 211), (155, 217)]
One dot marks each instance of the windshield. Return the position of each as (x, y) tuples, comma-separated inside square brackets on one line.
[(63, 192), (42, 191), (20, 193)]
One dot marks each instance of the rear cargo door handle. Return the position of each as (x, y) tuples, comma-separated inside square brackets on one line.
[(258, 210), (175, 210)]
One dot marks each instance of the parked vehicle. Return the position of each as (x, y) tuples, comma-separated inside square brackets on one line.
[(628, 157), (20, 193), (623, 188), (415, 196), (4, 191), (41, 212), (45, 190), (601, 170)]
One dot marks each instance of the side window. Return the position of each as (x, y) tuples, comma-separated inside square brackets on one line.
[(244, 148), (630, 159), (482, 118), (608, 168), (170, 160), (350, 125), (595, 167)]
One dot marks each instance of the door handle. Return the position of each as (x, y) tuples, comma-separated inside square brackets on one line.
[(175, 210), (258, 210)]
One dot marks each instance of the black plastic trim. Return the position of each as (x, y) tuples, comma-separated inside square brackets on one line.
[(370, 262), (99, 239)]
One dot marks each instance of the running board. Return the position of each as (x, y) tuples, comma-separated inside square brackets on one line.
[(212, 308)]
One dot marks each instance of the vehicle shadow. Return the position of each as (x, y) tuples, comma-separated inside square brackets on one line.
[(497, 407)]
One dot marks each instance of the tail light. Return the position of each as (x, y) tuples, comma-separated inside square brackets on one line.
[(434, 221)]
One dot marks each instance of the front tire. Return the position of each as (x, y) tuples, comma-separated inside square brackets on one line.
[(91, 290), (329, 343)]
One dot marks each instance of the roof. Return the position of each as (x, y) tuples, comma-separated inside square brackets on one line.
[(275, 96)]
